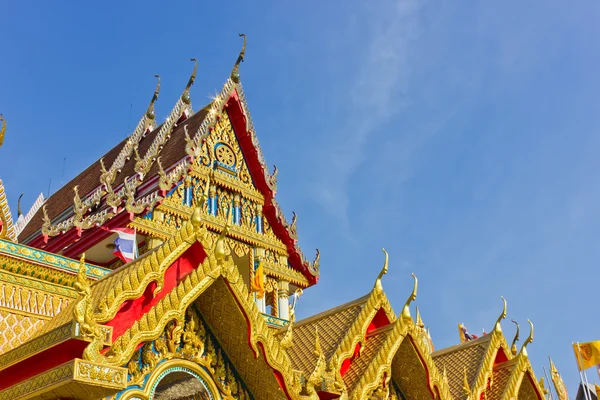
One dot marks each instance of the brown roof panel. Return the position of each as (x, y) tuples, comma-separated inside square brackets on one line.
[(332, 326), (89, 179), (455, 359)]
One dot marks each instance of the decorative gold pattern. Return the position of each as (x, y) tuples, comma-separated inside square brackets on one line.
[(559, 385), (2, 129), (7, 230)]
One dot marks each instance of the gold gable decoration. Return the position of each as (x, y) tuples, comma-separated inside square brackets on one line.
[(7, 230)]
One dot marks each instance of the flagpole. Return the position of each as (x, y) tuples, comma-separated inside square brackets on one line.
[(581, 374), (587, 384), (549, 384)]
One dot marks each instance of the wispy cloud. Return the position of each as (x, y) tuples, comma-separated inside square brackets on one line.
[(377, 94)]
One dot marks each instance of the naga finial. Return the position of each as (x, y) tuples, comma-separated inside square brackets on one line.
[(197, 213), (411, 298), (317, 261), (378, 286), (186, 93), (150, 111), (19, 213), (528, 340), (497, 327), (235, 73), (513, 346), (220, 244), (2, 129)]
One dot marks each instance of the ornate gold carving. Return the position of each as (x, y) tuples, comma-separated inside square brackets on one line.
[(83, 310), (50, 378), (411, 298), (35, 345), (559, 385), (528, 340), (7, 230), (235, 73), (497, 326), (513, 346), (98, 374), (2, 129), (378, 287)]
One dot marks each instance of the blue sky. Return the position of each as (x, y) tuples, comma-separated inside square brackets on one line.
[(461, 136)]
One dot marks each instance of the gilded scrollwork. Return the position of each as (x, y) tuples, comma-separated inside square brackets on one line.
[(192, 343)]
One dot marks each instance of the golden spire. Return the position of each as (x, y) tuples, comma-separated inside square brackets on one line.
[(513, 346), (420, 323), (528, 340), (150, 111), (2, 129), (378, 287), (411, 298), (497, 327), (186, 93), (235, 73)]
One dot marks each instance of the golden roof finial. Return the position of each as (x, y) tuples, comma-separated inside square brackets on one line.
[(378, 287), (235, 73), (411, 298), (2, 129), (528, 340), (19, 213), (420, 323), (513, 346), (150, 111), (497, 327), (197, 213), (466, 388), (220, 252), (186, 93), (552, 366), (318, 350), (445, 376)]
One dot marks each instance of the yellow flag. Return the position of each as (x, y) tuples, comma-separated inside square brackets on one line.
[(597, 390), (258, 285), (587, 354)]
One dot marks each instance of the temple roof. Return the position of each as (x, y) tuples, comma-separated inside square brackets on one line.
[(456, 358), (501, 378), (373, 343), (62, 200), (332, 326)]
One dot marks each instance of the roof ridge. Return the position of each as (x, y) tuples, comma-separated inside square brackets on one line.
[(461, 346), (330, 311)]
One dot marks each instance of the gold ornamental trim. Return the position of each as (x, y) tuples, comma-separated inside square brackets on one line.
[(381, 364), (36, 345), (40, 383), (99, 374), (151, 268), (145, 392), (75, 372), (172, 307)]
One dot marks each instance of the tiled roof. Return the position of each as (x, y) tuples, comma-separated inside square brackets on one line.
[(89, 179), (368, 352), (331, 324), (501, 377), (454, 359)]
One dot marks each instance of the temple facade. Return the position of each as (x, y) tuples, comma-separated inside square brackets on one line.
[(167, 270)]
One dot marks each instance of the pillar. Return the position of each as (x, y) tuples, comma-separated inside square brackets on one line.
[(284, 299)]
